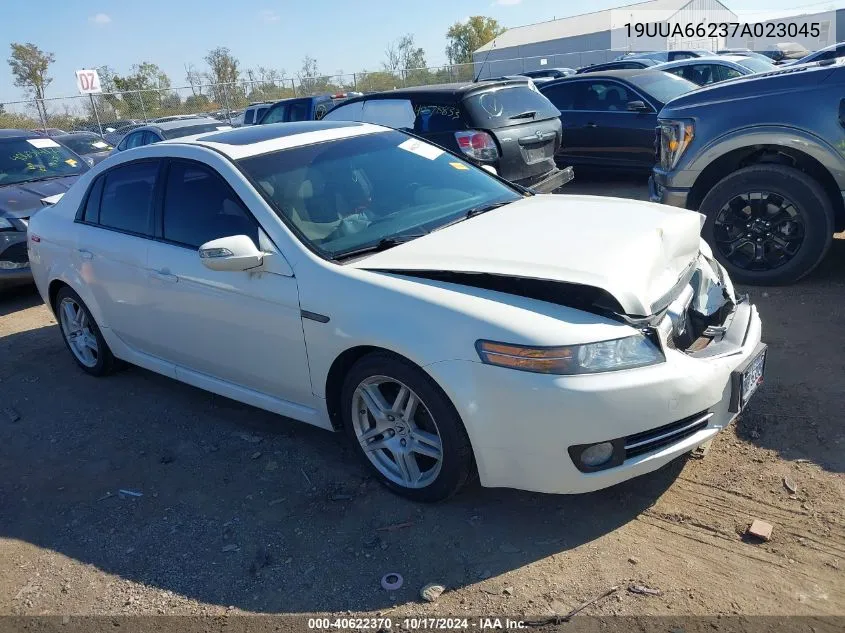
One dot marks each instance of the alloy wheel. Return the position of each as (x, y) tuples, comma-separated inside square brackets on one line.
[(397, 432), (77, 331), (758, 231)]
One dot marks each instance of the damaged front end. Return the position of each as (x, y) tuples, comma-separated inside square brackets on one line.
[(705, 317), (700, 315)]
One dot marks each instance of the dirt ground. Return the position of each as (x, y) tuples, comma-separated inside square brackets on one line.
[(238, 510)]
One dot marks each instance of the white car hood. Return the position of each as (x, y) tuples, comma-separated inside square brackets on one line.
[(636, 251)]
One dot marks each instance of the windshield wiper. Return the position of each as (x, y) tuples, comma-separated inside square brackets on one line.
[(43, 178), (474, 211), (382, 245), (528, 114)]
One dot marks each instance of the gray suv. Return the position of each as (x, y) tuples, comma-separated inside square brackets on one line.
[(763, 158)]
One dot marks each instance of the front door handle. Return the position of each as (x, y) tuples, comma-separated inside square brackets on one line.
[(591, 125), (163, 275), (85, 254)]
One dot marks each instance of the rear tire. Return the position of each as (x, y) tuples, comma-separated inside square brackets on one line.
[(797, 194), (81, 334), (405, 428)]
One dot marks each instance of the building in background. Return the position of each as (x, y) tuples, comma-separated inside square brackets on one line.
[(591, 38)]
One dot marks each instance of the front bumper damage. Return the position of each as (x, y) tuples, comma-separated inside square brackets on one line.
[(527, 429), (14, 260)]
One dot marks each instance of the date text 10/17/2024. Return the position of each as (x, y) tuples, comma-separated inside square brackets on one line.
[(421, 623)]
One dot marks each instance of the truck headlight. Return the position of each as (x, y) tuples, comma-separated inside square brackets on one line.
[(589, 358), (675, 137)]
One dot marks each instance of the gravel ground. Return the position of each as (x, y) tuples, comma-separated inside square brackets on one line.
[(232, 509)]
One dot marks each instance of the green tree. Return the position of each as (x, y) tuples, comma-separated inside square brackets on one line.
[(223, 74), (465, 37), (143, 89), (29, 66)]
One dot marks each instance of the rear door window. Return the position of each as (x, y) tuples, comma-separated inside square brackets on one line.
[(497, 108), (249, 117), (348, 112), (563, 95), (127, 199), (395, 113), (299, 111), (430, 118)]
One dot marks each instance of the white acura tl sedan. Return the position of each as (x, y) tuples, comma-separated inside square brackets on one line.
[(359, 279)]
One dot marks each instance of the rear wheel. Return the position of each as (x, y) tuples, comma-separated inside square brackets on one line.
[(768, 224), (405, 428), (81, 334)]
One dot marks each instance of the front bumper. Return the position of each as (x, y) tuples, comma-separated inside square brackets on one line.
[(659, 192), (522, 424), (14, 263)]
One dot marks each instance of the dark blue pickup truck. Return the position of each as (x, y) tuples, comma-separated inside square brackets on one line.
[(304, 108)]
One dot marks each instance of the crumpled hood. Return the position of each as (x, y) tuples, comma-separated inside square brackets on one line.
[(636, 251), (24, 199)]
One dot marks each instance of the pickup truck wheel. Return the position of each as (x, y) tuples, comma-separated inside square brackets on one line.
[(768, 224)]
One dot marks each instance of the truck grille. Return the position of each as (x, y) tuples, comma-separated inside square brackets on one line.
[(16, 254), (651, 440)]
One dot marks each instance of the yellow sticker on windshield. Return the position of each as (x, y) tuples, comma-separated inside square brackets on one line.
[(71, 162), (459, 166)]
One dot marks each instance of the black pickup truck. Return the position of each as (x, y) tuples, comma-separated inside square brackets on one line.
[(763, 158)]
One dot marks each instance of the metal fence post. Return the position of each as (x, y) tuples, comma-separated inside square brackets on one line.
[(42, 113), (293, 86), (143, 109), (226, 102), (354, 82), (96, 114)]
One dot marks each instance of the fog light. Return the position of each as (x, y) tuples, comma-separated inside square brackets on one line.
[(597, 454)]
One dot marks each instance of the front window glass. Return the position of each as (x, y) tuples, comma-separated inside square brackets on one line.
[(27, 160), (350, 194)]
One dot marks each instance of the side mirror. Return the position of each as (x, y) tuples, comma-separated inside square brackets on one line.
[(233, 253), (638, 106)]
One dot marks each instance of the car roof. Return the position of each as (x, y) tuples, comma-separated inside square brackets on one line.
[(178, 123), (721, 60), (254, 140), (13, 133), (621, 73), (457, 90)]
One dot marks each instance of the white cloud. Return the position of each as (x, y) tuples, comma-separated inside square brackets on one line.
[(100, 19), (268, 16), (507, 2)]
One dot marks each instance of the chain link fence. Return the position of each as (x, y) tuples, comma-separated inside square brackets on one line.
[(104, 113)]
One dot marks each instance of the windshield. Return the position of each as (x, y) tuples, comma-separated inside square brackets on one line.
[(755, 65), (493, 109), (190, 130), (662, 86), (348, 194), (25, 160), (84, 144)]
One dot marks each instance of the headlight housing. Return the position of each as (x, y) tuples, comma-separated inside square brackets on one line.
[(675, 137), (590, 358)]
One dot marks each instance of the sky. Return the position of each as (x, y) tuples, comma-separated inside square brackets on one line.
[(341, 35)]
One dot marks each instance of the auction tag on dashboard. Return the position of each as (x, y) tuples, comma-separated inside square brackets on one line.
[(41, 143), (99, 144), (421, 149), (459, 166), (224, 127)]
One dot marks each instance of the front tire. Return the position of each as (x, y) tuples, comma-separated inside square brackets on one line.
[(768, 224), (81, 334), (405, 428)]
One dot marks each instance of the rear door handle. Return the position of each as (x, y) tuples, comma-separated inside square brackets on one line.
[(591, 124), (85, 254), (163, 275)]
